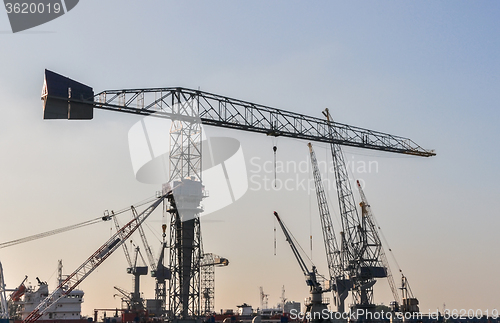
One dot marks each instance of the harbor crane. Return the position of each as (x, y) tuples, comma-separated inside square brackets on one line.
[(408, 303), (360, 251), (188, 109), (369, 221), (316, 304), (340, 284), (94, 261)]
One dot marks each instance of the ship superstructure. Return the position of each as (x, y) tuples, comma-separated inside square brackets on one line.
[(67, 309)]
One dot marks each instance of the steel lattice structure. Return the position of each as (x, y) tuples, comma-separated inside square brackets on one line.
[(98, 257), (207, 283), (340, 286), (67, 99), (222, 111), (208, 263)]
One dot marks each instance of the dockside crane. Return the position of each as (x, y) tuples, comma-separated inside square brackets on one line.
[(369, 221), (340, 284), (316, 304), (188, 109), (360, 252), (137, 271), (136, 303), (408, 302), (96, 259)]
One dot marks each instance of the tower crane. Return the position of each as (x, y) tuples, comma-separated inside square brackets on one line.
[(340, 285), (188, 109), (208, 264), (315, 305), (97, 258)]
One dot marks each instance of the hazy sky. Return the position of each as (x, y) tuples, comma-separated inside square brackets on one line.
[(427, 70)]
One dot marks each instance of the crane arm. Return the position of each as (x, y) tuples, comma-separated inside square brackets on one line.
[(98, 257), (295, 251), (149, 252), (331, 247), (334, 259), (65, 98), (125, 248), (210, 259)]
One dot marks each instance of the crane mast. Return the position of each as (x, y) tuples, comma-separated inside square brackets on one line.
[(340, 286)]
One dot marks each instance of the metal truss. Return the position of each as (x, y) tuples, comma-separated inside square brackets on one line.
[(333, 254), (208, 283), (74, 279), (188, 109), (184, 289), (208, 263), (221, 111)]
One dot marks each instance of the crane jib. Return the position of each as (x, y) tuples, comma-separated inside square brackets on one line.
[(65, 98)]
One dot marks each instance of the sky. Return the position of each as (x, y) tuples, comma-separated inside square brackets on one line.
[(426, 70)]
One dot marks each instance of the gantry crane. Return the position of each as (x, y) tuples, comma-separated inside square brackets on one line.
[(188, 109), (340, 284), (98, 257), (316, 303)]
